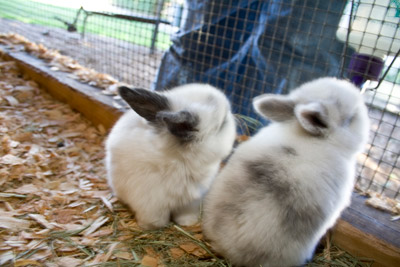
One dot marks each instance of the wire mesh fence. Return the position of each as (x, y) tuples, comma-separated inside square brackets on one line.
[(245, 47)]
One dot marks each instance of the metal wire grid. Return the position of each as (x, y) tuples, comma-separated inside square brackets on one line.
[(116, 46), (123, 48)]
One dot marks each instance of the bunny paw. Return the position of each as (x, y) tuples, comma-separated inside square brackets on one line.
[(186, 219)]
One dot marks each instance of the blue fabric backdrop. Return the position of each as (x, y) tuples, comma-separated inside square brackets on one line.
[(251, 47)]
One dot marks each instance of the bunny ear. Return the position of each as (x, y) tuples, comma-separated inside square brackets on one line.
[(313, 118), (182, 124), (274, 107), (144, 102)]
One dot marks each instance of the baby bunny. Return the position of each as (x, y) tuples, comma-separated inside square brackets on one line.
[(286, 186), (162, 156)]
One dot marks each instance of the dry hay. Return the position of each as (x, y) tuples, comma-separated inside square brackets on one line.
[(56, 208)]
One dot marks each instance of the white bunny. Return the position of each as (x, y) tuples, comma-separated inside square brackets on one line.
[(286, 186), (162, 156)]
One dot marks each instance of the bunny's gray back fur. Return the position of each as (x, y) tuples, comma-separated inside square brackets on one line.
[(283, 188)]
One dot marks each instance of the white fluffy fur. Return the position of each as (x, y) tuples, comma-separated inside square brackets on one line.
[(256, 224), (157, 174)]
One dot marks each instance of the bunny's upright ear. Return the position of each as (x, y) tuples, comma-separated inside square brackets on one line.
[(274, 107), (313, 117), (144, 102)]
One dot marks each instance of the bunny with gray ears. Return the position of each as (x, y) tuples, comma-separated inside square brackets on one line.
[(163, 154), (286, 186)]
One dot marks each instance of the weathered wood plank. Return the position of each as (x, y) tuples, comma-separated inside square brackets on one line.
[(367, 232), (372, 221), (361, 244), (86, 99)]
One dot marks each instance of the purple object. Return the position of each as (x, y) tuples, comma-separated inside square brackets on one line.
[(364, 67)]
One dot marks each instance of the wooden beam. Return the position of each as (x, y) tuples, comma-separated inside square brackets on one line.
[(366, 232), (89, 101), (360, 244)]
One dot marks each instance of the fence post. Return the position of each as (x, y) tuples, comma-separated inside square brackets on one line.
[(160, 5)]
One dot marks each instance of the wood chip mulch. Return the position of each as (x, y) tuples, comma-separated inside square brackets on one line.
[(56, 208)]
